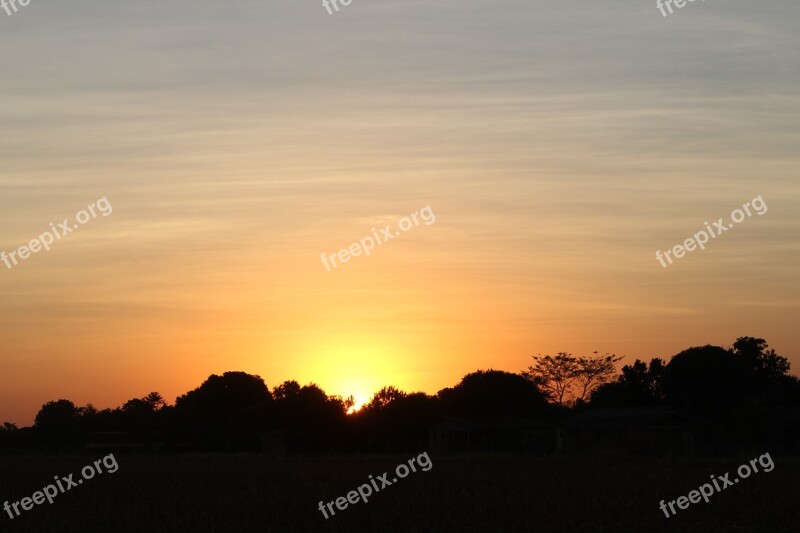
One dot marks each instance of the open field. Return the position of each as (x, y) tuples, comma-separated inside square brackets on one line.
[(247, 493)]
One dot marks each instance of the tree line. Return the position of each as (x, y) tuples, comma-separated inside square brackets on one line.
[(730, 389)]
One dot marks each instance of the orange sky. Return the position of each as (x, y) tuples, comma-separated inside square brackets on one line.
[(236, 146)]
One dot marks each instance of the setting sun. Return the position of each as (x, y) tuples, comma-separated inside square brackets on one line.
[(359, 403)]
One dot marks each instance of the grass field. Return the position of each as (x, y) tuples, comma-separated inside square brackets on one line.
[(249, 493)]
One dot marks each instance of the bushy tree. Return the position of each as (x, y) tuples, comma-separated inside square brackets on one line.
[(384, 397), (493, 392), (396, 421), (221, 396), (226, 411), (553, 375), (593, 372), (565, 378), (312, 419), (56, 424), (638, 385), (761, 365)]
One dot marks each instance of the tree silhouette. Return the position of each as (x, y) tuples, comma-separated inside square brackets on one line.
[(397, 421), (155, 401), (225, 412), (493, 392), (9, 436), (384, 397), (703, 380), (285, 389), (566, 378), (221, 397), (763, 367), (553, 375), (57, 423), (311, 418), (57, 416), (594, 371), (732, 392), (638, 385), (138, 414)]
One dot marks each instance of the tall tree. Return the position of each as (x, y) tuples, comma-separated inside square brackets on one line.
[(566, 378), (554, 375), (155, 401), (594, 371)]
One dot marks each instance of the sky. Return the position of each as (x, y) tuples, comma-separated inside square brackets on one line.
[(559, 145)]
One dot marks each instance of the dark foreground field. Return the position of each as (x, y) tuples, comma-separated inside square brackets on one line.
[(247, 493)]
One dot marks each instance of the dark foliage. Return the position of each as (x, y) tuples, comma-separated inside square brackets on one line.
[(741, 392)]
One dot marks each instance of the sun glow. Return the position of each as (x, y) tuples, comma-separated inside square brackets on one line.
[(347, 364), (358, 405)]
